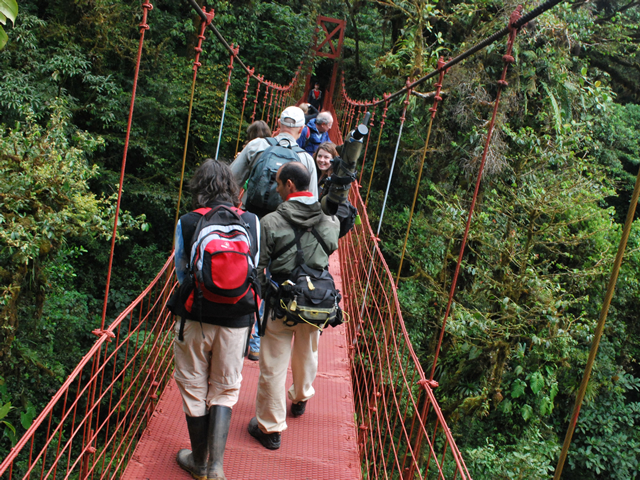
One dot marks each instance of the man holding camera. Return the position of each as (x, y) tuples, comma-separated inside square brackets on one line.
[(301, 212)]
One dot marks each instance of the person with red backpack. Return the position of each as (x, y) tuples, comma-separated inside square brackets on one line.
[(216, 255)]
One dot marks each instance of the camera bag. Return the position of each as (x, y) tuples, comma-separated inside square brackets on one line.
[(308, 295)]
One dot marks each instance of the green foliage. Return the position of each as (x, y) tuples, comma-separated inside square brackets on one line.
[(46, 203), (557, 185), (541, 242), (20, 417), (608, 438), (65, 90), (8, 9)]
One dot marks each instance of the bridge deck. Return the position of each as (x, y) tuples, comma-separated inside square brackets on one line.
[(319, 445)]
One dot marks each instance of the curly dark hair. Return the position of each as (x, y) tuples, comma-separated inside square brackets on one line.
[(213, 182)]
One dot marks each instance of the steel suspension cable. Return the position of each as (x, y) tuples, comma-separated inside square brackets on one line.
[(536, 12), (393, 162), (196, 65), (433, 111), (502, 83), (146, 8), (600, 327), (375, 157), (244, 102), (234, 54)]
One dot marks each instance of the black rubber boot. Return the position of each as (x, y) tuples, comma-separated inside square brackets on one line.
[(194, 461), (219, 420)]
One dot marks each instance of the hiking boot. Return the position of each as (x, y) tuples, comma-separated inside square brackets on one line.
[(297, 409), (194, 461), (219, 420), (255, 356), (268, 440)]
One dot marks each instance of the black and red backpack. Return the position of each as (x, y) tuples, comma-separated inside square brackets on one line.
[(223, 278)]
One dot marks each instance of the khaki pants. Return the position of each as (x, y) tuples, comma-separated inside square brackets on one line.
[(275, 352), (208, 365)]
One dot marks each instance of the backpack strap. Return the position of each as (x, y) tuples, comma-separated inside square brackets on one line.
[(271, 141), (232, 210), (298, 233), (295, 242), (321, 241), (202, 211)]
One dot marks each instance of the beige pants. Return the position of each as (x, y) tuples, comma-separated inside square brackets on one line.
[(275, 352), (208, 365)]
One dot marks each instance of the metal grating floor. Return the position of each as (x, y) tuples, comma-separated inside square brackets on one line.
[(319, 445)]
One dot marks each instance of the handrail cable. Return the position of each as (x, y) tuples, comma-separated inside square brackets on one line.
[(521, 22)]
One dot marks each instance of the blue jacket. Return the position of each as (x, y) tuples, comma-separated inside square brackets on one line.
[(310, 138)]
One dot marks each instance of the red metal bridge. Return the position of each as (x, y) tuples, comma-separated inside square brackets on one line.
[(375, 415)]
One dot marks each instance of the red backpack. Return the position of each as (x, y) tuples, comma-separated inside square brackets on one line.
[(222, 268)]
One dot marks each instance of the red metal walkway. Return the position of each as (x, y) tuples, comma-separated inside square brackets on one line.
[(319, 445)]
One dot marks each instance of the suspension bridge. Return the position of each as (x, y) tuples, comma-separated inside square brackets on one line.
[(375, 414)]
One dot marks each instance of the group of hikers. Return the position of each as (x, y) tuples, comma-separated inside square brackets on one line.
[(258, 263)]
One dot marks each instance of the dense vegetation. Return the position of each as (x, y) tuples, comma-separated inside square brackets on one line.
[(556, 190)]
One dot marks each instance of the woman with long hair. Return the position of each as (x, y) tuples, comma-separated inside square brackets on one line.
[(323, 156), (211, 337)]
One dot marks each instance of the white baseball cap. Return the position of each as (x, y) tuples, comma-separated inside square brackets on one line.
[(292, 117)]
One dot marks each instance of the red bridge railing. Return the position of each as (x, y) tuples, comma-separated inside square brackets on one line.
[(402, 432), (90, 427), (92, 424)]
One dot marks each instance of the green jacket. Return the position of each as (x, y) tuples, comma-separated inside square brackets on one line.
[(276, 233)]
